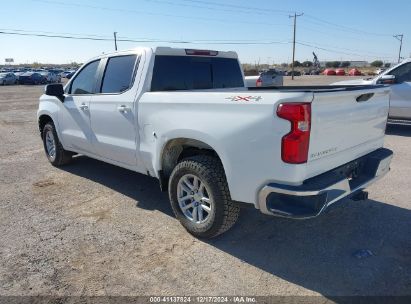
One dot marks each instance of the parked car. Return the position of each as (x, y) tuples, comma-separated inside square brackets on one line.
[(268, 78), (340, 72), (68, 76), (56, 71), (399, 79), (57, 74), (65, 73), (50, 77), (329, 72), (32, 78), (315, 72), (290, 73), (7, 78), (188, 120), (354, 72)]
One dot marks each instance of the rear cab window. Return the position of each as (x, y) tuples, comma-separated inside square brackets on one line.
[(173, 73)]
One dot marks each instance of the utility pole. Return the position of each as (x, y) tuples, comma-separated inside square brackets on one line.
[(115, 41), (295, 26), (399, 38)]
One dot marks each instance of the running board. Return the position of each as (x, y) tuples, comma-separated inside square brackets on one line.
[(399, 122)]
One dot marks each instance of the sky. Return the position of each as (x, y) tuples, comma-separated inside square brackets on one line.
[(259, 31)]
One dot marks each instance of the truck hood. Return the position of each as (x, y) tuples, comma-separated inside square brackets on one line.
[(354, 82)]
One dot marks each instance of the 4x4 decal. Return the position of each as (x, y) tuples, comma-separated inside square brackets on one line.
[(244, 98)]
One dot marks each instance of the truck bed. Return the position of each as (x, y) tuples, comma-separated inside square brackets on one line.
[(317, 88)]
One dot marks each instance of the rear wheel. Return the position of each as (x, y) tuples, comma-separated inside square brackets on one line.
[(55, 153), (200, 197)]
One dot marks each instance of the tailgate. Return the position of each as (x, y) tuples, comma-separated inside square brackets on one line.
[(346, 125)]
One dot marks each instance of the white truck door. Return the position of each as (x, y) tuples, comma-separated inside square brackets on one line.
[(400, 101), (113, 111), (74, 120)]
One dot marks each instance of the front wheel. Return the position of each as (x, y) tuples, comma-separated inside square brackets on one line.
[(200, 197), (55, 153)]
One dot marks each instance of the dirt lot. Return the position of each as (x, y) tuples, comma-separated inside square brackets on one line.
[(94, 229)]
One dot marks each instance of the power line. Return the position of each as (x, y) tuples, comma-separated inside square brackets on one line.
[(270, 11), (219, 6), (333, 34), (142, 40), (30, 33), (213, 8), (54, 33), (248, 8), (346, 49), (345, 28), (334, 51), (111, 9)]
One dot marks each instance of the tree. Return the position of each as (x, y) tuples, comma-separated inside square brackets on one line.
[(296, 64), (307, 64), (387, 65), (336, 64), (377, 63), (345, 64), (329, 64)]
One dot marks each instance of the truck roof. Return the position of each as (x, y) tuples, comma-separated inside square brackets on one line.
[(169, 51)]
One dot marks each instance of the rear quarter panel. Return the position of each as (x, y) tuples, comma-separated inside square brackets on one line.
[(241, 126)]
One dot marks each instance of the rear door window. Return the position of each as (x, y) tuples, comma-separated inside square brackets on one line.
[(119, 74), (190, 73), (402, 73)]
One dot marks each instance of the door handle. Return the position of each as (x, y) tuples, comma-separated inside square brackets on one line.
[(123, 109), (84, 107)]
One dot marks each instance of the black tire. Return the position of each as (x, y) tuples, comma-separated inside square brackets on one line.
[(211, 172), (61, 157)]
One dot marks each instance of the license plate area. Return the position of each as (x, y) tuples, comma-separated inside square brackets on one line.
[(356, 172)]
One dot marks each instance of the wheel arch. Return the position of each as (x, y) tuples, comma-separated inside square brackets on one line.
[(177, 149), (43, 120)]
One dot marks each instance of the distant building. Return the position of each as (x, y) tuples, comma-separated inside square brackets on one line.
[(354, 63)]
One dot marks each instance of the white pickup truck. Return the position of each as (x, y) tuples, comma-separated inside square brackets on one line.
[(185, 117)]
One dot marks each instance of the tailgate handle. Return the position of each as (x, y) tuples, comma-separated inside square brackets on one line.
[(364, 97)]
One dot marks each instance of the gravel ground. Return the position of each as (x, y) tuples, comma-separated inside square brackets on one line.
[(94, 229)]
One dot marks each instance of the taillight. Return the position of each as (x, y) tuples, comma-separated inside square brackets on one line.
[(294, 145), (259, 82)]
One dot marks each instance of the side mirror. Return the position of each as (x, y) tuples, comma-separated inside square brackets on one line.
[(386, 79), (55, 89)]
